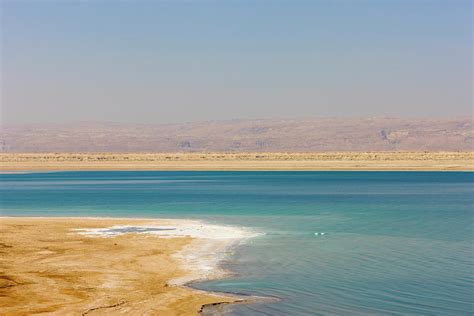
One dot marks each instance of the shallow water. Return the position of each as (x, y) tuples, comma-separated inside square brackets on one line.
[(393, 243)]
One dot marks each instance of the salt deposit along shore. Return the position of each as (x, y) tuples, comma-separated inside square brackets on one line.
[(101, 265)]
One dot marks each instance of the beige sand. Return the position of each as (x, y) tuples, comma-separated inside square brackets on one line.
[(239, 161), (47, 268)]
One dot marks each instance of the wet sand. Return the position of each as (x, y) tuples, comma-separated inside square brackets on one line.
[(47, 266), (238, 161)]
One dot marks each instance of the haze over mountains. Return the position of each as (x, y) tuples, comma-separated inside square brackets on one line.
[(311, 135)]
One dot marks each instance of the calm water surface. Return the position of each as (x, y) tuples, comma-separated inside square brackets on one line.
[(394, 242)]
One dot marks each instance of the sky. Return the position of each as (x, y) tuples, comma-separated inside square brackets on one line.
[(179, 61)]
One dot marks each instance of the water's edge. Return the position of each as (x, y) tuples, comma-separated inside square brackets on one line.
[(195, 256)]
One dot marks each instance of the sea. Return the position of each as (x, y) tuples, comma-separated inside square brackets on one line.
[(338, 243)]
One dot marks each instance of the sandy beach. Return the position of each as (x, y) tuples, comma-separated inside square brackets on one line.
[(238, 161), (87, 266)]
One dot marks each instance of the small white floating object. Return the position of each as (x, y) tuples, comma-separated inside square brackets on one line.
[(319, 234)]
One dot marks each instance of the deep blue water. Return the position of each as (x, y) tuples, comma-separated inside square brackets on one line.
[(395, 242)]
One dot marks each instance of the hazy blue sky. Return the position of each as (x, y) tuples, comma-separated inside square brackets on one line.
[(174, 61)]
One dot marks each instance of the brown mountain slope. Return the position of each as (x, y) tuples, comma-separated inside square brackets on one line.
[(312, 135)]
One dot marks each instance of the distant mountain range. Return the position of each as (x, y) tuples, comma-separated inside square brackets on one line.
[(311, 135)]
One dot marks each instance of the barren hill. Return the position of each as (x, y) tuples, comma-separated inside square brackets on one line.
[(312, 135)]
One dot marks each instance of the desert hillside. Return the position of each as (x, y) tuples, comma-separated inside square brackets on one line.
[(312, 135)]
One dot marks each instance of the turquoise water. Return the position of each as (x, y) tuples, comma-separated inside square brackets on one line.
[(394, 243)]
